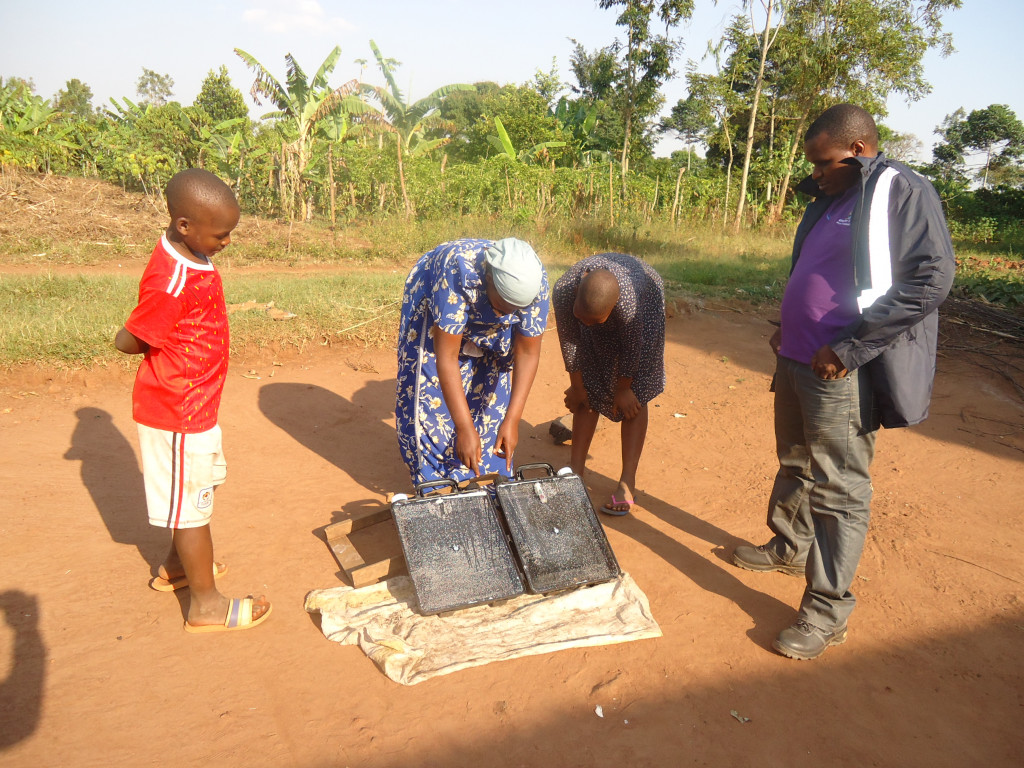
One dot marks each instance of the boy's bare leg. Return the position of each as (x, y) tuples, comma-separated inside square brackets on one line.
[(584, 424), (207, 605), (172, 567), (634, 434)]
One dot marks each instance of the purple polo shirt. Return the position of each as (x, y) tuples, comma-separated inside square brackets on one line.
[(821, 297)]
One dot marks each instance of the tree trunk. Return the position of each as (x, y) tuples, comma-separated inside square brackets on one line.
[(765, 45), (330, 176), (625, 152), (611, 194), (675, 202), (401, 177), (780, 202)]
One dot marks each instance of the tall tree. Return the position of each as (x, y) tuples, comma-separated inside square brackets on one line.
[(691, 121), (154, 88), (904, 147), (75, 98), (407, 121), (717, 99), (995, 132), (768, 36), (599, 77), (548, 84), (860, 51), (302, 104), (20, 84), (219, 98), (647, 57), (459, 113)]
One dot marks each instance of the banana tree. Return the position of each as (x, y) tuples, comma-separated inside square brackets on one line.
[(503, 144), (408, 122), (579, 125), (302, 105), (29, 129)]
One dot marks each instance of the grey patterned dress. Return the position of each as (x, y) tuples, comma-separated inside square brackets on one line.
[(631, 342)]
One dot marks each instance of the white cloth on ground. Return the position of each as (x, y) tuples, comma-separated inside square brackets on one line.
[(410, 648)]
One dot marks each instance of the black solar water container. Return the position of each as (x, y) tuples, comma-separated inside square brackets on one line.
[(555, 532), (456, 549)]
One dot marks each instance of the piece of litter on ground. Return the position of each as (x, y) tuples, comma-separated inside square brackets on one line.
[(250, 375), (738, 716), (599, 710), (679, 415)]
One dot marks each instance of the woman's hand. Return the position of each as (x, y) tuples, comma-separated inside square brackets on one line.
[(625, 401), (469, 449), (576, 399), (506, 441)]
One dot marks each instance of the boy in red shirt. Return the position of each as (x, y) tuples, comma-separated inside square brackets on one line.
[(181, 326)]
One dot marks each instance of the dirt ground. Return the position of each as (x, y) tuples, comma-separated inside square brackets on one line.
[(95, 669)]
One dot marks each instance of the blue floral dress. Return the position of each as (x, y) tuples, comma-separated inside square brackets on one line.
[(446, 289)]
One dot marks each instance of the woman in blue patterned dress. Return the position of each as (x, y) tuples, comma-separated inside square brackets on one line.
[(473, 315)]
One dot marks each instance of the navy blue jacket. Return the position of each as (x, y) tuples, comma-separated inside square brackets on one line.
[(903, 268)]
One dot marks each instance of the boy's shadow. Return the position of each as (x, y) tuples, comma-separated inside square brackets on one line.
[(21, 692), (110, 472)]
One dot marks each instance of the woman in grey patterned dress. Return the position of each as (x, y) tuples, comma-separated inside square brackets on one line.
[(610, 311)]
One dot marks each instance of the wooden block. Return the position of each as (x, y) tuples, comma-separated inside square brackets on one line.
[(363, 518), (371, 573), (378, 554)]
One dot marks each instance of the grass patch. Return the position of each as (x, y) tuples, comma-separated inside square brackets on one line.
[(71, 320), (67, 320), (360, 306), (993, 279)]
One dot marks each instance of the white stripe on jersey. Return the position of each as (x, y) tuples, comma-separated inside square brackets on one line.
[(176, 277)]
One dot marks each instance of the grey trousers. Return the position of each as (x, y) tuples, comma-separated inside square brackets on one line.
[(821, 501)]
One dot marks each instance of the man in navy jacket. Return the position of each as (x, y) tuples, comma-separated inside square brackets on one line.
[(872, 261)]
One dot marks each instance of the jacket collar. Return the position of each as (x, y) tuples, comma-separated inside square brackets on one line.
[(867, 164)]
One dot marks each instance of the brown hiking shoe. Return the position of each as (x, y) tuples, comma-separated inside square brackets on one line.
[(804, 641), (764, 559)]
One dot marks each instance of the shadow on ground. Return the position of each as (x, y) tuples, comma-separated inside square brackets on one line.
[(21, 692), (111, 474)]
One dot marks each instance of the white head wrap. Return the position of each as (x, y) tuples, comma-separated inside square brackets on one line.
[(516, 271)]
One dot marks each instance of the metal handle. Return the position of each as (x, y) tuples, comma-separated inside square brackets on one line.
[(436, 484), (537, 465), (474, 483)]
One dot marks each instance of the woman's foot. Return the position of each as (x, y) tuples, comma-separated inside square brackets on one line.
[(620, 503)]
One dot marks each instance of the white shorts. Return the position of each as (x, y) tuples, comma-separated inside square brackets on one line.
[(181, 471)]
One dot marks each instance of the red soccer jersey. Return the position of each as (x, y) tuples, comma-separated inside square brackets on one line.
[(182, 316)]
